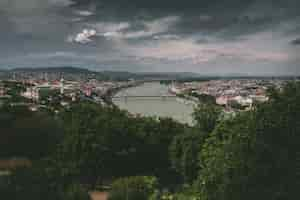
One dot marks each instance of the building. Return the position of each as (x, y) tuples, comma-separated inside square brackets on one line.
[(31, 93), (222, 100), (244, 101), (2, 91), (62, 86)]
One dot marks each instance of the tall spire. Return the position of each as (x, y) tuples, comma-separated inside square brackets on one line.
[(62, 85)]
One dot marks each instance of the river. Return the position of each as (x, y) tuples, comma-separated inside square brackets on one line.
[(157, 106)]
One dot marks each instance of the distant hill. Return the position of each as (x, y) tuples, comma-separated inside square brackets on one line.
[(73, 70), (105, 75), (72, 73)]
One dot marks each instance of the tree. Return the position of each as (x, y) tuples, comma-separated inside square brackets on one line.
[(36, 183), (256, 154), (104, 142), (27, 134), (133, 188), (31, 183), (157, 137), (204, 98), (184, 154), (206, 116), (76, 192)]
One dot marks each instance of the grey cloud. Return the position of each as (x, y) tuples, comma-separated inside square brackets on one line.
[(212, 6), (224, 18), (295, 41), (143, 35), (167, 4)]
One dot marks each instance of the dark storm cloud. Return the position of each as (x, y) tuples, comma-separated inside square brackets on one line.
[(228, 17), (295, 41), (194, 5), (213, 36), (168, 4)]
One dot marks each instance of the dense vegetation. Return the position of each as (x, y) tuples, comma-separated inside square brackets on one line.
[(101, 143), (27, 134), (254, 155), (134, 188)]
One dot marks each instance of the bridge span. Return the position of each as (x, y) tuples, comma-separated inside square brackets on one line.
[(143, 97)]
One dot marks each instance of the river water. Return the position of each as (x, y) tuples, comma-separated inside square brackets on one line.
[(154, 106)]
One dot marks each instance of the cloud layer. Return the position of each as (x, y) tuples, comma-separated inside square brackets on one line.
[(205, 36)]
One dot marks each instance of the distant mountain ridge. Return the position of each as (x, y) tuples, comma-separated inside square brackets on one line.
[(124, 75), (113, 75), (83, 70), (52, 70)]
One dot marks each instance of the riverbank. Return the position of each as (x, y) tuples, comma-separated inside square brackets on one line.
[(112, 92)]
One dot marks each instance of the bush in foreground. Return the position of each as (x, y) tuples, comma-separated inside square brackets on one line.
[(76, 192), (34, 184), (133, 188)]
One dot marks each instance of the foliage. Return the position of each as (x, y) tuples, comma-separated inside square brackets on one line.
[(46, 93), (30, 184), (36, 183), (165, 82), (104, 142), (256, 154), (14, 90), (180, 95), (133, 188), (204, 98), (206, 116), (27, 134), (184, 151), (181, 196), (235, 105), (76, 192)]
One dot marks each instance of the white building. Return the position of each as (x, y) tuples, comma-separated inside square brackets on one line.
[(31, 93), (222, 100), (2, 91), (244, 101), (62, 86)]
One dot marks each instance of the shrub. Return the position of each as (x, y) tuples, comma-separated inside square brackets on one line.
[(76, 192), (133, 188)]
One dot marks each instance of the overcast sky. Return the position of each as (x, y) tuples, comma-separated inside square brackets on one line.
[(251, 37)]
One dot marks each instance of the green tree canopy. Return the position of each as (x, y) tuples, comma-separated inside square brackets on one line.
[(206, 116), (184, 154), (256, 154), (104, 142), (24, 133), (133, 188)]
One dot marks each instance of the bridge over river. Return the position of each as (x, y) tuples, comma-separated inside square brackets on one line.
[(142, 97), (153, 100)]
